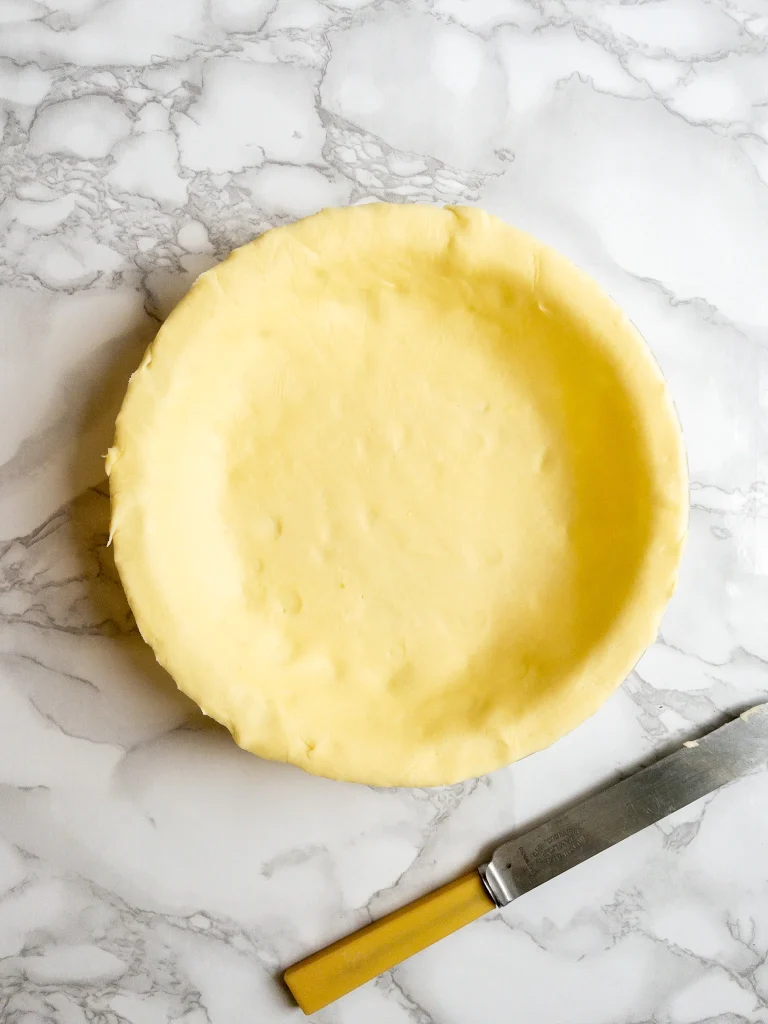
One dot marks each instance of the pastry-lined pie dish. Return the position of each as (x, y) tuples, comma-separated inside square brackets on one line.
[(398, 494)]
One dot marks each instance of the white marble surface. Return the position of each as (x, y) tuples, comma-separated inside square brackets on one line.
[(150, 871)]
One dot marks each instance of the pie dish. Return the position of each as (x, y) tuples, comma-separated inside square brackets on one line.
[(398, 494)]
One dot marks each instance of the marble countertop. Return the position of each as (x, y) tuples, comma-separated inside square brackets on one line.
[(149, 870)]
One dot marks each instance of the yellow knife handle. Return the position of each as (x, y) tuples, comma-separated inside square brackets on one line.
[(350, 962)]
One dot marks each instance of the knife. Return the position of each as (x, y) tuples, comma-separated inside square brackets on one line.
[(599, 822)]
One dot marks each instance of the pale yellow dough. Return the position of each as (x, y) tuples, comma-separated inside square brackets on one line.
[(398, 494)]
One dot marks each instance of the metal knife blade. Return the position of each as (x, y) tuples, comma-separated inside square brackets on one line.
[(618, 812)]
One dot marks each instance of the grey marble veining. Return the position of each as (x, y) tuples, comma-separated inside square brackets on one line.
[(149, 870)]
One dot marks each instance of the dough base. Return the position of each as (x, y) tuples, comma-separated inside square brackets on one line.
[(398, 495)]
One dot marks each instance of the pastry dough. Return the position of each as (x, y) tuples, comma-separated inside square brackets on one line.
[(398, 494)]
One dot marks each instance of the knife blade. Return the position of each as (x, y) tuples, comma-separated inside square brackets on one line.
[(602, 820), (697, 768)]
